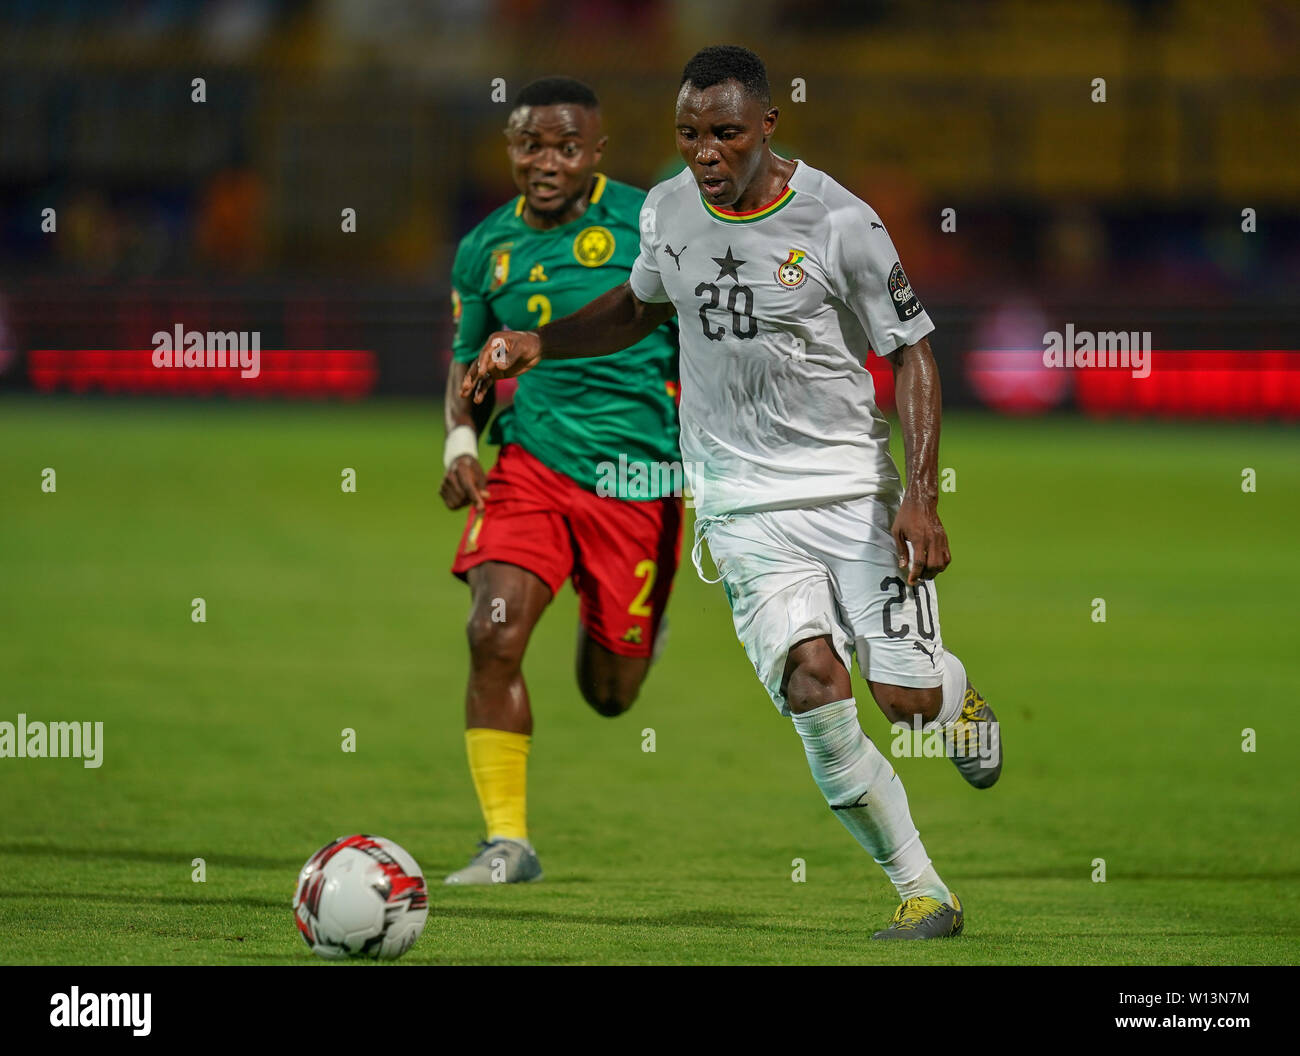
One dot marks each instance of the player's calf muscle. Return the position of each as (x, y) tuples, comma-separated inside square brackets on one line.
[(496, 696), (901, 703), (609, 683), (606, 700)]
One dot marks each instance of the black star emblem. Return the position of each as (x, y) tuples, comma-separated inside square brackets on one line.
[(728, 266)]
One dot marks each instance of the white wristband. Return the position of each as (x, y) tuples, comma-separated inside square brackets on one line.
[(460, 441)]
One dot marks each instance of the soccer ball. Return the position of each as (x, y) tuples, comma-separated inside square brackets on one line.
[(361, 896)]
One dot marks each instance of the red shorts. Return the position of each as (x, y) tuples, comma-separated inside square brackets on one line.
[(621, 554)]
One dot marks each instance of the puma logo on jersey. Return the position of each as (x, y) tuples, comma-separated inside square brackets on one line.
[(669, 250), (875, 225), (922, 649)]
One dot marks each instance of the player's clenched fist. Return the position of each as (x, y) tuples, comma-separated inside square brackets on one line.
[(922, 541), (464, 483), (506, 354)]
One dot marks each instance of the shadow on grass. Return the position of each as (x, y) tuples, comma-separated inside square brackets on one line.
[(728, 919)]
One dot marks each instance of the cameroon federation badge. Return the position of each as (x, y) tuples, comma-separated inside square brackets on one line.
[(593, 247), (790, 274), (500, 267)]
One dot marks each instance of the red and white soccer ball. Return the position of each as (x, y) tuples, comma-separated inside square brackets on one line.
[(361, 896)]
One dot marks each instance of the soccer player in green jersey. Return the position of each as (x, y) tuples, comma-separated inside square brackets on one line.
[(583, 484)]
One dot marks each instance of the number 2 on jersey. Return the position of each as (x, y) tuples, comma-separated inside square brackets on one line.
[(541, 304)]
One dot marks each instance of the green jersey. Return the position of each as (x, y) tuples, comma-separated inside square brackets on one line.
[(594, 420)]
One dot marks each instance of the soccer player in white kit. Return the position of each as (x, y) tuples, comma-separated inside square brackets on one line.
[(783, 282)]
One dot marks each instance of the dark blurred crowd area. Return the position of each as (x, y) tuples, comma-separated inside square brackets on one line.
[(226, 213)]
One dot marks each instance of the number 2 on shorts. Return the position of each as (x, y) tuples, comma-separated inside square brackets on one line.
[(640, 607)]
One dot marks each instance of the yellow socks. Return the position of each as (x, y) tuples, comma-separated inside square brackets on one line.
[(498, 762)]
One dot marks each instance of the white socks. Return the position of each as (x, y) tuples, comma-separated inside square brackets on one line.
[(867, 796)]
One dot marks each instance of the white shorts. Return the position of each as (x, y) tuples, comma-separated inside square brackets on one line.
[(796, 574)]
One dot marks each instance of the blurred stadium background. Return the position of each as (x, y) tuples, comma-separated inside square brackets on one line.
[(1122, 215)]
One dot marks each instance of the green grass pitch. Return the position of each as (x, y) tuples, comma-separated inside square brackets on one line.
[(328, 610)]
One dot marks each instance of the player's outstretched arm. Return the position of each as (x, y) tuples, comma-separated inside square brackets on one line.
[(920, 411), (612, 322), (465, 481)]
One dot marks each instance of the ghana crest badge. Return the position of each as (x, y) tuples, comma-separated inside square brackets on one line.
[(790, 274), (593, 246)]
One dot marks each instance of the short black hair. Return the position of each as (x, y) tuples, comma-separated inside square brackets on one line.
[(725, 62), (553, 91)]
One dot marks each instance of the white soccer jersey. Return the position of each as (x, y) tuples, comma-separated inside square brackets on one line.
[(777, 310)]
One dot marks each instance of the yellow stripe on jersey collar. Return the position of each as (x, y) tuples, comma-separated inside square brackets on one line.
[(729, 217), (597, 189)]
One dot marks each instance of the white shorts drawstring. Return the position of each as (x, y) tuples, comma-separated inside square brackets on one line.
[(702, 525)]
